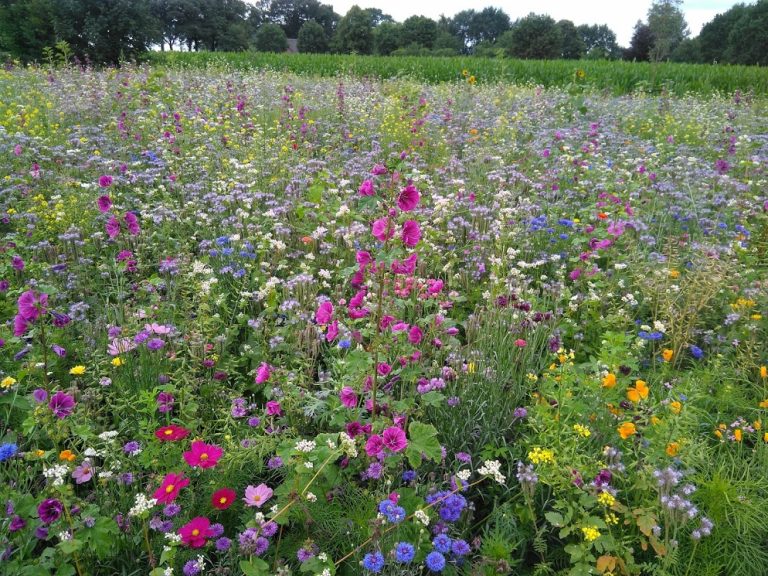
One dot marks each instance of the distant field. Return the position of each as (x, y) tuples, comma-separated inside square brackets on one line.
[(618, 77)]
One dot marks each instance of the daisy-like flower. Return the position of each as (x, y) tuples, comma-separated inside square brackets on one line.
[(170, 488), (223, 499), (202, 455), (257, 495), (171, 433)]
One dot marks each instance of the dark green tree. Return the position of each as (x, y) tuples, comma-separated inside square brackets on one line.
[(446, 44), (386, 38), (459, 26), (26, 27), (271, 38), (572, 47), (641, 43), (667, 23), (687, 51), (748, 40), (418, 30), (377, 16), (713, 38), (487, 25), (354, 34), (312, 38), (535, 36), (599, 42)]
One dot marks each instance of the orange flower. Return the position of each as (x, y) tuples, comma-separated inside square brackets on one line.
[(626, 430), (676, 407), (672, 449), (764, 404), (674, 274), (67, 455), (719, 434), (765, 437), (638, 392), (306, 239), (609, 380), (737, 435), (667, 354), (602, 215), (763, 372)]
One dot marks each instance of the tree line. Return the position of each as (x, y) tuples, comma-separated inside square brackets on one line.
[(109, 31)]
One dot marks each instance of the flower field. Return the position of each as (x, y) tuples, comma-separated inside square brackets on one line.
[(265, 324)]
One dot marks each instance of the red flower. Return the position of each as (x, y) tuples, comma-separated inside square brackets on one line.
[(169, 489), (195, 532), (203, 455), (223, 499), (171, 433)]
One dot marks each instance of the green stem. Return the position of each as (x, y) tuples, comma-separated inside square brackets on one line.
[(152, 562)]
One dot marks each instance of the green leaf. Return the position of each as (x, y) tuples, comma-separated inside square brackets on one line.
[(555, 518), (254, 567), (70, 546), (423, 440), (433, 398), (315, 192), (575, 552)]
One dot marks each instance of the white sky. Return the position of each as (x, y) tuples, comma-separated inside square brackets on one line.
[(619, 15)]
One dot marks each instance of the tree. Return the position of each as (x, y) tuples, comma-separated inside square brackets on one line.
[(535, 36), (312, 38), (714, 35), (418, 30), (687, 51), (446, 44), (748, 40), (26, 27), (459, 26), (271, 38), (641, 43), (377, 16), (354, 32), (386, 38), (572, 47), (599, 42), (668, 26), (487, 25)]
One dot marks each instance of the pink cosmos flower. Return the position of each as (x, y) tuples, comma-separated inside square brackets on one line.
[(195, 532), (263, 373), (382, 230), (104, 203), (408, 198), (348, 397), (83, 473), (366, 188), (374, 445), (170, 488), (257, 495), (202, 455), (105, 181), (324, 313), (411, 233), (394, 439)]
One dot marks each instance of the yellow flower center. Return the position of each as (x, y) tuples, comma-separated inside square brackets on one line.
[(203, 456), (168, 432), (195, 532), (223, 500), (169, 488)]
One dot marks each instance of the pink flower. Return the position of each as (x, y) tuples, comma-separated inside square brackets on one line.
[(263, 373), (411, 233), (324, 313), (274, 409), (20, 325), (195, 532), (203, 455), (383, 368), (17, 150), (520, 343), (366, 188), (379, 169), (170, 488), (434, 286), (363, 257), (415, 335), (357, 300), (132, 223), (348, 397), (333, 331), (407, 266), (113, 228), (408, 198), (394, 439), (374, 446), (257, 495), (382, 230), (104, 203), (105, 181)]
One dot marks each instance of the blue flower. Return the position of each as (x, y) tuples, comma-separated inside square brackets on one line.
[(460, 548), (442, 543), (8, 451), (344, 344), (435, 561), (373, 562), (409, 476), (404, 552), (696, 352), (650, 335)]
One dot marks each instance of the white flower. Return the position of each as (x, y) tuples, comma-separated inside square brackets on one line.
[(422, 517), (492, 468), (311, 497), (141, 505), (65, 535), (108, 435), (463, 475), (323, 557), (305, 446)]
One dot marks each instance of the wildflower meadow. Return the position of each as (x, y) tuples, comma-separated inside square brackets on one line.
[(266, 324)]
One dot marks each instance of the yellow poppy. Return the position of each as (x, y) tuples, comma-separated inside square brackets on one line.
[(638, 392), (626, 430), (676, 407), (609, 380), (667, 354)]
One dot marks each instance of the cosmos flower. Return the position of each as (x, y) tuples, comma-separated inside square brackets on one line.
[(202, 455)]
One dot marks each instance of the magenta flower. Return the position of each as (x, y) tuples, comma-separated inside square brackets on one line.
[(274, 409), (257, 495), (263, 373), (105, 181), (132, 223), (20, 325), (202, 455), (113, 228), (382, 230), (394, 439), (31, 305), (383, 368), (196, 532), (366, 188), (408, 198), (374, 445), (348, 397), (62, 404), (333, 331), (378, 170), (411, 233), (17, 263), (104, 203), (362, 257), (324, 313), (50, 510), (415, 335)]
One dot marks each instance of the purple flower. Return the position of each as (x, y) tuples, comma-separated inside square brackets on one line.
[(105, 181), (17, 523), (132, 448), (83, 473), (520, 412), (62, 404), (4, 285), (223, 544), (58, 350), (155, 344), (50, 510), (17, 263), (40, 395), (274, 462), (104, 203)]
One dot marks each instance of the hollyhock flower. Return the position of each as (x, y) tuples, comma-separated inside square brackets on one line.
[(348, 397), (105, 181), (378, 170), (112, 227), (333, 331), (274, 409), (195, 532), (257, 495), (223, 499), (415, 335), (31, 305), (407, 266), (50, 510), (17, 263), (203, 455), (411, 233), (366, 188), (263, 373), (170, 488), (382, 230), (324, 313), (357, 300), (374, 445), (104, 203), (394, 439), (408, 198), (362, 257), (83, 473), (62, 404), (20, 325), (132, 223), (17, 523)]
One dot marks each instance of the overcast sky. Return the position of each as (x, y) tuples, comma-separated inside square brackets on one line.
[(619, 15)]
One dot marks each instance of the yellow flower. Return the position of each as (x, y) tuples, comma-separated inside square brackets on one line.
[(582, 430), (655, 420), (764, 403), (117, 361), (674, 274), (763, 372), (672, 449), (667, 354), (756, 317), (638, 392), (737, 435), (609, 380), (77, 370), (465, 72), (611, 518), (757, 425), (765, 437), (676, 407), (7, 382), (626, 430), (591, 533), (718, 434), (606, 499), (472, 80), (471, 367), (39, 453), (539, 456)]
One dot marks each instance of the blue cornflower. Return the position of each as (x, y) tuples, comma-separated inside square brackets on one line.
[(435, 561), (460, 548), (409, 476), (442, 543), (696, 352), (8, 451), (373, 562), (655, 335), (344, 344), (404, 552), (452, 507)]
